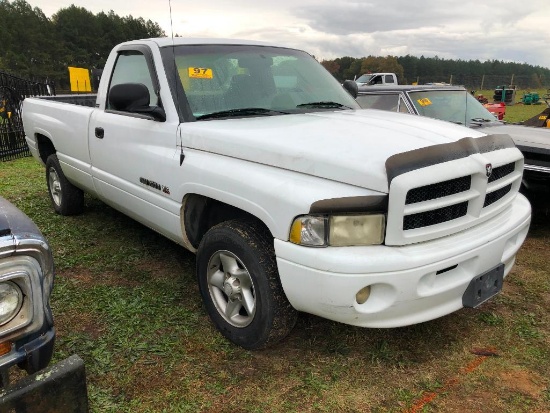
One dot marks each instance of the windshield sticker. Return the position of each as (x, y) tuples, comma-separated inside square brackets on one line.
[(200, 73), (424, 102)]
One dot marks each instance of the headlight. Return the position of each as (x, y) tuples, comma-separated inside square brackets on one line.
[(310, 231), (338, 230), (11, 299), (356, 230)]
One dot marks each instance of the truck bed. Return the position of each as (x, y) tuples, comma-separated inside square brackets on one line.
[(75, 99)]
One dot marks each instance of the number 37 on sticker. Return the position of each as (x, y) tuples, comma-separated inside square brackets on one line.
[(200, 73)]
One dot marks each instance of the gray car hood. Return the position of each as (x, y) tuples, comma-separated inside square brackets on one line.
[(524, 136)]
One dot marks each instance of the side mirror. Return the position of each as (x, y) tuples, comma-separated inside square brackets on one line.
[(351, 87), (134, 98)]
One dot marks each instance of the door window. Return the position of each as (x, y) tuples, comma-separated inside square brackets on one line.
[(386, 101), (132, 67)]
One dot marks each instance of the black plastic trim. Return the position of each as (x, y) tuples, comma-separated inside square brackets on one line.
[(131, 114), (533, 149), (374, 203), (405, 162)]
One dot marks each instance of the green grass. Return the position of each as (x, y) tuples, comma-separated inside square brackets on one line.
[(519, 112), (126, 301)]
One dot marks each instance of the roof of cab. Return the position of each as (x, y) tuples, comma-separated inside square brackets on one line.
[(406, 88), (179, 41)]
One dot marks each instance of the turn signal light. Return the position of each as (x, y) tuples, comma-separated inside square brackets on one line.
[(5, 347)]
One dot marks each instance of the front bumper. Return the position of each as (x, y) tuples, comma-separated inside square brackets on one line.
[(409, 284), (33, 355), (58, 388)]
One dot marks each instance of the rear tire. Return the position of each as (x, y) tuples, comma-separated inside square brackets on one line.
[(66, 198), (240, 285)]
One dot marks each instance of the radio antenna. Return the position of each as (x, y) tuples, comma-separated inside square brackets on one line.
[(182, 155), (171, 24)]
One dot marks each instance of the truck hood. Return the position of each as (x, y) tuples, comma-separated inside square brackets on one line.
[(523, 136), (345, 146), (16, 228)]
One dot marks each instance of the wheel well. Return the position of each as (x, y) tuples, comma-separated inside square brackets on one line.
[(45, 147), (200, 213)]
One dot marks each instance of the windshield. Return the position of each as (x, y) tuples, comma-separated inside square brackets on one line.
[(456, 106), (230, 80), (363, 78)]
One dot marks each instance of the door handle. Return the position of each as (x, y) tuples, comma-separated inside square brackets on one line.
[(99, 133)]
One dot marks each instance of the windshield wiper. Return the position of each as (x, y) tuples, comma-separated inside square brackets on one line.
[(481, 120), (241, 113), (323, 105)]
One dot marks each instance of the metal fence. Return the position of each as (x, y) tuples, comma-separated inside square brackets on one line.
[(12, 92), (486, 82)]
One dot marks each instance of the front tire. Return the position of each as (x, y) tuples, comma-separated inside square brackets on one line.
[(66, 198), (240, 285)]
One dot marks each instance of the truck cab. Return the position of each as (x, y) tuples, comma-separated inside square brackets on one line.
[(379, 79)]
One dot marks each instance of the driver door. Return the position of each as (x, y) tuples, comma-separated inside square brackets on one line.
[(134, 158)]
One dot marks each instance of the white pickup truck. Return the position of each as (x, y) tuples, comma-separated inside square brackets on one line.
[(380, 79), (294, 199)]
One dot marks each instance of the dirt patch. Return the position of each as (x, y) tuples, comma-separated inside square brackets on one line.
[(526, 382), (472, 395)]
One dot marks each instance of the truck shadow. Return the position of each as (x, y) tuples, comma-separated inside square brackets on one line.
[(540, 221)]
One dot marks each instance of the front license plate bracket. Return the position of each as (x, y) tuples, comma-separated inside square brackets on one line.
[(483, 287)]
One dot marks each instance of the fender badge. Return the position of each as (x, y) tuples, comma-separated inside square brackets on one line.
[(488, 170)]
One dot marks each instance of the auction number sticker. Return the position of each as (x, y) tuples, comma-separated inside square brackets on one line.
[(424, 102), (200, 73)]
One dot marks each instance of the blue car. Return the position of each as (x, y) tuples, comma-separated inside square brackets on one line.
[(27, 332)]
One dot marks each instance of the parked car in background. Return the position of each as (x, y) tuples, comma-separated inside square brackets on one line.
[(456, 104), (27, 331)]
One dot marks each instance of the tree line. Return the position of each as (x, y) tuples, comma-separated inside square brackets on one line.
[(36, 47), (471, 73)]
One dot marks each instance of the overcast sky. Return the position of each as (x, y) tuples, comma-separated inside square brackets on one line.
[(509, 30)]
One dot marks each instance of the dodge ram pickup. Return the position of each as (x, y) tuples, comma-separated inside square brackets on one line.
[(294, 199)]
